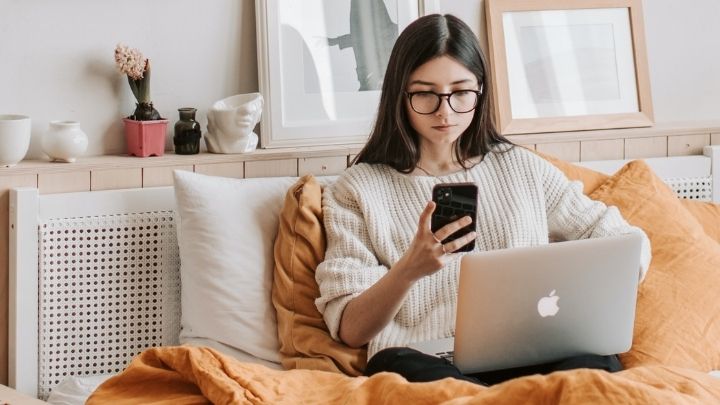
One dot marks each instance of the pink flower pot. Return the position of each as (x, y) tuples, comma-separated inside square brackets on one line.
[(145, 138)]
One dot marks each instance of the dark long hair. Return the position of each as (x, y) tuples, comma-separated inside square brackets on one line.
[(393, 141)]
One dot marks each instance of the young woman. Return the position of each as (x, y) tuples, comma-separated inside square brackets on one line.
[(387, 279)]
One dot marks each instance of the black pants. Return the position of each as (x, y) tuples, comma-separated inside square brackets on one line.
[(416, 366)]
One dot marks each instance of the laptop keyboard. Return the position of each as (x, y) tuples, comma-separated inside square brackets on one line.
[(446, 355)]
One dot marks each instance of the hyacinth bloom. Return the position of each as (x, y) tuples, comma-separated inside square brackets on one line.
[(132, 63)]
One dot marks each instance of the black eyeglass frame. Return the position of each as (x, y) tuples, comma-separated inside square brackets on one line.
[(440, 99)]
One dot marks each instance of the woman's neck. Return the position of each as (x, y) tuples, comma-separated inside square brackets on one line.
[(433, 168), (437, 161)]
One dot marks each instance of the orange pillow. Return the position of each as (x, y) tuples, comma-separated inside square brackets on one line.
[(299, 248), (707, 213), (678, 303), (590, 178)]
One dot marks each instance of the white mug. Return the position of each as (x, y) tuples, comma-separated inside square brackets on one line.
[(14, 138)]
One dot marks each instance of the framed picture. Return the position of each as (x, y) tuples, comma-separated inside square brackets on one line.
[(567, 65), (321, 64)]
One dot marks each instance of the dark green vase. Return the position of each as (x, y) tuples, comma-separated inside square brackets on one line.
[(187, 133)]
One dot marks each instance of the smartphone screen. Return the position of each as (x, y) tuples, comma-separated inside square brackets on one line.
[(454, 201)]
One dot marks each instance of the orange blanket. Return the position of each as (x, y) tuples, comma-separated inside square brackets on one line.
[(193, 375)]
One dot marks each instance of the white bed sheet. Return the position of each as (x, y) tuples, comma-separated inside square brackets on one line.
[(232, 352), (76, 390)]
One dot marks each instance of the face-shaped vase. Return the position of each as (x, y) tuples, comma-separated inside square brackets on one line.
[(231, 122)]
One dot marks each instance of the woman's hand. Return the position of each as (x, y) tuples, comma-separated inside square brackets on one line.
[(366, 315), (427, 254)]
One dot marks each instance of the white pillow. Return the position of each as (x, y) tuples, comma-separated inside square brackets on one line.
[(226, 235)]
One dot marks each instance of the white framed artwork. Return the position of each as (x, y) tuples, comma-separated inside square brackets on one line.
[(321, 64), (563, 65)]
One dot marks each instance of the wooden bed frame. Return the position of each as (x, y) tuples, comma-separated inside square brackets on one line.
[(94, 276)]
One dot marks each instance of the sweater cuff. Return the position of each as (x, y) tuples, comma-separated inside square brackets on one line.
[(333, 312)]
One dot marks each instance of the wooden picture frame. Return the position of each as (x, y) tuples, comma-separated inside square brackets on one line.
[(321, 63), (568, 65)]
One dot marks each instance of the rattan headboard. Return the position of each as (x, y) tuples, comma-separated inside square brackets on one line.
[(94, 276), (94, 281)]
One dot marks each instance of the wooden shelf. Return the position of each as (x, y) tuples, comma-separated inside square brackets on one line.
[(171, 159), (546, 141)]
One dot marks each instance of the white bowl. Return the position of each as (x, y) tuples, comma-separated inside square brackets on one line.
[(14, 138)]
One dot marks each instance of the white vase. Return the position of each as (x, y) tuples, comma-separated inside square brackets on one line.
[(64, 141), (231, 122), (14, 138)]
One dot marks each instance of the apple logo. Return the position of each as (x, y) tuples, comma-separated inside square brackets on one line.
[(548, 306)]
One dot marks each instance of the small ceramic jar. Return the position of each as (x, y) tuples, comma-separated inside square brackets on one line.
[(64, 141), (187, 133)]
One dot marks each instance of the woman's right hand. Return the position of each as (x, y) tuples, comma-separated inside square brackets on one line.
[(426, 253)]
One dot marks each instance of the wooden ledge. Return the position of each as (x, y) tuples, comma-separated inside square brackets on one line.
[(171, 159)]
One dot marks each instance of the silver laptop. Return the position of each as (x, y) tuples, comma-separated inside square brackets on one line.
[(525, 306)]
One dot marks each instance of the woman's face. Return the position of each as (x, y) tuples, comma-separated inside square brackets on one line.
[(440, 75)]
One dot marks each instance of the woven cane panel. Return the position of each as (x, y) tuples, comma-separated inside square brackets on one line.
[(109, 288), (692, 188)]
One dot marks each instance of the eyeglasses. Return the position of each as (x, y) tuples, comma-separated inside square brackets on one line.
[(427, 102)]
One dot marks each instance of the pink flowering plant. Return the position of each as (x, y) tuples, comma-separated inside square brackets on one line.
[(132, 63)]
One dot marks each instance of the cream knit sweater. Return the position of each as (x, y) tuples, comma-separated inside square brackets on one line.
[(371, 214)]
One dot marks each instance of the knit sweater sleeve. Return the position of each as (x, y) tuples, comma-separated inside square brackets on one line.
[(573, 215), (350, 266)]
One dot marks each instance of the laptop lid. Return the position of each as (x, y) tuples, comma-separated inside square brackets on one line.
[(532, 305)]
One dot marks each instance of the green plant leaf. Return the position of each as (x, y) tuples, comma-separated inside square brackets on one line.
[(134, 88), (145, 85)]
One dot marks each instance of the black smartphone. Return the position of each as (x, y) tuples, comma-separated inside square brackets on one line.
[(454, 201)]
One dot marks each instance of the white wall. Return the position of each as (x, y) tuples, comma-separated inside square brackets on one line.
[(683, 41), (56, 58)]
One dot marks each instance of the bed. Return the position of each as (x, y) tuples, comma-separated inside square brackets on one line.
[(95, 277)]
